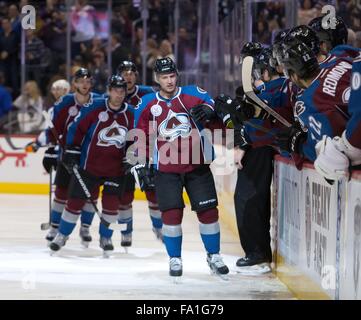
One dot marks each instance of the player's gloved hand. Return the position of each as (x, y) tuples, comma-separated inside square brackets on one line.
[(71, 157), (50, 160), (225, 109), (331, 163), (202, 113), (144, 176), (234, 112), (241, 139), (291, 139)]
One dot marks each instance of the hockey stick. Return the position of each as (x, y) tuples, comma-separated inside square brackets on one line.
[(46, 225), (11, 144), (248, 90), (74, 169)]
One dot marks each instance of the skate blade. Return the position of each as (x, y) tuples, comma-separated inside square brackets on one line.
[(176, 280), (85, 244), (107, 254), (54, 253), (223, 277), (254, 271), (126, 250)]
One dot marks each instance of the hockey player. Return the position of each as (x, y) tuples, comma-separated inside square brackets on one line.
[(333, 40), (336, 154), (254, 160), (174, 113), (63, 114), (96, 142), (322, 108), (128, 71)]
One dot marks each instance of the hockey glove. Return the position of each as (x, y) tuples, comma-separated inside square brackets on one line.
[(330, 163), (225, 109), (202, 113), (71, 157), (241, 139), (50, 160), (353, 153), (144, 176), (291, 139)]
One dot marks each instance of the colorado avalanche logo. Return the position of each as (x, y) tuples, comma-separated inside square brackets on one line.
[(174, 126), (115, 135)]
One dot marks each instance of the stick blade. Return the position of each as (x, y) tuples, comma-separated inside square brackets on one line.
[(247, 66)]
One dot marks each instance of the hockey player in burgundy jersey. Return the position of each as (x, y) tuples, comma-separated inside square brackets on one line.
[(96, 142), (128, 71), (63, 114), (336, 155), (333, 39), (322, 109), (177, 115)]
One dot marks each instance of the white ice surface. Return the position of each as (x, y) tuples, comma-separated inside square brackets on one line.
[(27, 271)]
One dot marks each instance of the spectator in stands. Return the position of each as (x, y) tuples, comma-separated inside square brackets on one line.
[(3, 9), (9, 51), (84, 23), (307, 11), (153, 54), (158, 20), (30, 106), (262, 32), (5, 102), (35, 55), (119, 52), (14, 17), (53, 34), (77, 63), (165, 50), (88, 51), (121, 22), (99, 70)]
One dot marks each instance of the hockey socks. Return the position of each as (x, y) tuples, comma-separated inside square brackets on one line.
[(56, 211), (126, 216), (156, 217), (210, 234), (103, 230), (67, 222), (172, 238)]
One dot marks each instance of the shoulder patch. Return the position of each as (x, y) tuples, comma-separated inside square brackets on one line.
[(356, 81), (346, 95)]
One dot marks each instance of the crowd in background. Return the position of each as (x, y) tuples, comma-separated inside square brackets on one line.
[(46, 46)]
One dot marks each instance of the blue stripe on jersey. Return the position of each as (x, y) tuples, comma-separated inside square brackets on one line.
[(85, 145), (345, 50), (145, 100), (199, 93), (84, 112), (145, 89)]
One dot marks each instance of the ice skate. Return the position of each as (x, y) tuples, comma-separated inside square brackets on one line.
[(85, 236), (58, 242), (175, 269), (126, 241), (253, 265), (217, 266), (51, 234), (107, 246)]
